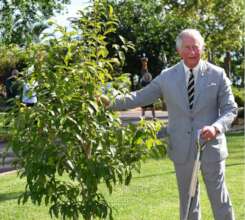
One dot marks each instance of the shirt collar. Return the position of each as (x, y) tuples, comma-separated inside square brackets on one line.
[(195, 69)]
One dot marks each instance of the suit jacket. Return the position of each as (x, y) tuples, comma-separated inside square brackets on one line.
[(213, 105)]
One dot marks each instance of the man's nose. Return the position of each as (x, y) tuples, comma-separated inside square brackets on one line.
[(192, 50)]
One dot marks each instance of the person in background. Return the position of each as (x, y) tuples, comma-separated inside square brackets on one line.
[(199, 98), (13, 85), (146, 78), (29, 97)]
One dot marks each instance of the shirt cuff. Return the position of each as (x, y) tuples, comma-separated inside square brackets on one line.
[(218, 128)]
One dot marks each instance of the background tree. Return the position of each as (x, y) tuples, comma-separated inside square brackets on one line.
[(68, 143), (153, 26), (142, 22), (221, 24), (20, 20), (11, 57)]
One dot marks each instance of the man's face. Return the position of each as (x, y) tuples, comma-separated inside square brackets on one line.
[(190, 51)]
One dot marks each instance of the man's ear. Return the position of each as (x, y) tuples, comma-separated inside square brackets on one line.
[(178, 51)]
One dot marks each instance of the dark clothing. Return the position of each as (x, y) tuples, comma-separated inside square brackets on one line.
[(13, 87), (143, 84)]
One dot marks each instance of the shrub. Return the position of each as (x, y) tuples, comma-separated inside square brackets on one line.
[(239, 95)]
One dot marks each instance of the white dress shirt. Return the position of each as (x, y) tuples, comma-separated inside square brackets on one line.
[(195, 71)]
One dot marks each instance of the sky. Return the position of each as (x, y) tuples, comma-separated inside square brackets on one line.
[(70, 11)]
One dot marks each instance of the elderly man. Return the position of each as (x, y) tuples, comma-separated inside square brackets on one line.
[(199, 98)]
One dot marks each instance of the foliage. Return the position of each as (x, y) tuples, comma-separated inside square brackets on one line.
[(239, 94), (238, 63), (221, 24), (4, 130), (142, 23), (22, 21), (12, 56), (152, 194), (153, 26), (68, 132)]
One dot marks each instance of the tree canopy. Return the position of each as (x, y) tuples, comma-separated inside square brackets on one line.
[(23, 20), (153, 25)]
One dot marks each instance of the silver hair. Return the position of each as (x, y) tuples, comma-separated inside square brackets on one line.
[(189, 32)]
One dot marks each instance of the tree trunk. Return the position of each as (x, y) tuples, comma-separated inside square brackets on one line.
[(210, 56)]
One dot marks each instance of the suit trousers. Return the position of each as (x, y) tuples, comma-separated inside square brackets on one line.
[(214, 178)]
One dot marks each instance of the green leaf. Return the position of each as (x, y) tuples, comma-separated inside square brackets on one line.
[(115, 61), (128, 178), (121, 56), (122, 39), (70, 164), (103, 52), (79, 138), (149, 143), (72, 120), (94, 105), (110, 11)]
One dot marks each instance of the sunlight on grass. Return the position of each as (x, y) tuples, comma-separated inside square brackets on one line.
[(152, 194)]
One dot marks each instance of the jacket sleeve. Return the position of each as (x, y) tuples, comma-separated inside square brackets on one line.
[(227, 105), (142, 97)]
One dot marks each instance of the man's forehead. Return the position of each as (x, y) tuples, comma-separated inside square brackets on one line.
[(190, 38)]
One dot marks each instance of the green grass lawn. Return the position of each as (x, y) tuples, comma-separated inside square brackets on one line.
[(152, 195)]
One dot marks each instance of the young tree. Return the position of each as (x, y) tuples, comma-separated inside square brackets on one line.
[(68, 143)]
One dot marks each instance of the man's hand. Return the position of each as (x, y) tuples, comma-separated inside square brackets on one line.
[(208, 133)]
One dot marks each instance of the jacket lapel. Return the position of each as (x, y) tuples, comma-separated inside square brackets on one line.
[(201, 82), (181, 87)]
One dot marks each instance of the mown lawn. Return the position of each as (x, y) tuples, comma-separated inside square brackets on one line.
[(152, 195)]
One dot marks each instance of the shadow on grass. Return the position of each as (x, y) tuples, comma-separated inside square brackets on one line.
[(237, 134), (154, 175), (9, 196), (235, 164)]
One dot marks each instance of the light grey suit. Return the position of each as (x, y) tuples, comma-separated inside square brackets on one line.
[(213, 105)]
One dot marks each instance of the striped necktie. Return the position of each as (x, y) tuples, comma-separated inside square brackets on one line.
[(191, 89)]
